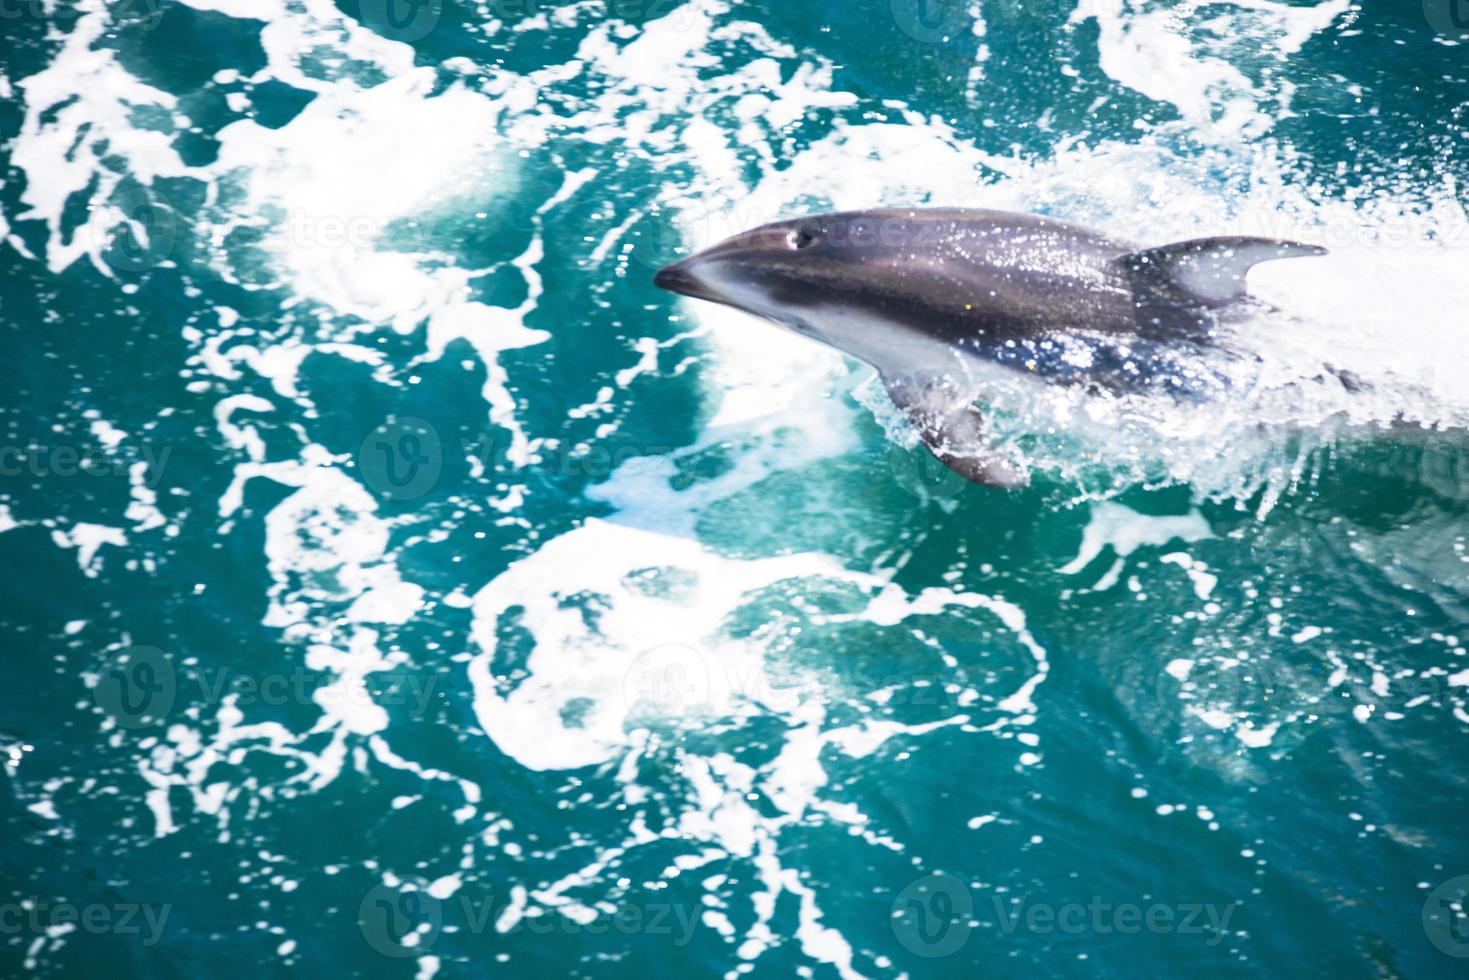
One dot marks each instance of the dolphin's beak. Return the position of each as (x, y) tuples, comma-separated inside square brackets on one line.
[(683, 278)]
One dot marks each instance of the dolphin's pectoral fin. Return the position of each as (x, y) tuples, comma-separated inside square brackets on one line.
[(953, 430), (1203, 271)]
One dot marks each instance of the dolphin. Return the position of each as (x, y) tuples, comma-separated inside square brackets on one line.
[(941, 301)]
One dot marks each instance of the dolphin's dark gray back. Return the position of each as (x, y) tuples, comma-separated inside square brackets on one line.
[(983, 273), (1000, 276)]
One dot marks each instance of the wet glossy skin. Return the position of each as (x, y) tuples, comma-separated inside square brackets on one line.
[(897, 288)]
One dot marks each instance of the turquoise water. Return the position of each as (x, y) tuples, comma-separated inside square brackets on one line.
[(398, 585)]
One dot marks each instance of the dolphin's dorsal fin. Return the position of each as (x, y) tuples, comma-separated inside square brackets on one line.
[(1204, 271)]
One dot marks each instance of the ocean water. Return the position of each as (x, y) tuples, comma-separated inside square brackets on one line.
[(398, 585)]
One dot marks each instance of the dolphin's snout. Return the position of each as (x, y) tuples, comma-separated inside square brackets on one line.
[(683, 278), (673, 277), (745, 257)]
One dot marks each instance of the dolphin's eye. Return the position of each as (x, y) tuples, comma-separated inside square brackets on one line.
[(804, 238)]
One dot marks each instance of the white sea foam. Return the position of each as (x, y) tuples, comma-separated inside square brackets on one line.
[(1200, 65), (330, 190)]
